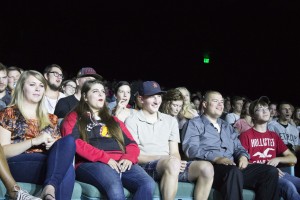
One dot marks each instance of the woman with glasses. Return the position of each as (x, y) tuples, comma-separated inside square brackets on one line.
[(32, 143), (68, 87)]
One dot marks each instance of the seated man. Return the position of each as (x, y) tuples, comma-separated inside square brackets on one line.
[(266, 147), (157, 135), (210, 138)]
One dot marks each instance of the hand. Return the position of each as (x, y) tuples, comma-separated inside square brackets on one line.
[(183, 165), (280, 173), (243, 162), (274, 162), (114, 165), (122, 104), (49, 143), (224, 161), (42, 139), (125, 165)]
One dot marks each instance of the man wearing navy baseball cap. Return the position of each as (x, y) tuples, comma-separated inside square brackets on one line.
[(149, 88), (157, 135)]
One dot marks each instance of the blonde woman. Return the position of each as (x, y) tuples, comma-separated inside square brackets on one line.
[(188, 111), (32, 142)]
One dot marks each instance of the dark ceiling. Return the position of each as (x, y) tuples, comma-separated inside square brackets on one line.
[(253, 47)]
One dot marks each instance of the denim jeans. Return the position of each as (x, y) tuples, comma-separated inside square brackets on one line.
[(110, 183), (54, 167), (289, 187)]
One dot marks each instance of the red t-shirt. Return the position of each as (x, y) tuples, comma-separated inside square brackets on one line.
[(262, 147)]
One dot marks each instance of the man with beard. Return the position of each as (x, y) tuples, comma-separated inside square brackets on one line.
[(5, 97), (54, 76)]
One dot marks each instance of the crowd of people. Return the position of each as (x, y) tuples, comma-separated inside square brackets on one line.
[(132, 135)]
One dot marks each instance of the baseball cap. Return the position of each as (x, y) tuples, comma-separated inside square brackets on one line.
[(88, 71), (262, 100), (149, 88)]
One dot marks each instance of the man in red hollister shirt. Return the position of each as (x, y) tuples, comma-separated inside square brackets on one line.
[(266, 147)]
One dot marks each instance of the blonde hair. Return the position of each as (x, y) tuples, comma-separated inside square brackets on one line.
[(18, 98), (187, 106)]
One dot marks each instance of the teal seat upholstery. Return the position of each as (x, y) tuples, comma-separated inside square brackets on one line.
[(185, 192)]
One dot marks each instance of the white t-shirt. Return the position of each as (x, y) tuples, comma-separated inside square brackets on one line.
[(51, 103)]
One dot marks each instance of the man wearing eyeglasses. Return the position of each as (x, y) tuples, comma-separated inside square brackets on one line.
[(54, 76), (266, 147)]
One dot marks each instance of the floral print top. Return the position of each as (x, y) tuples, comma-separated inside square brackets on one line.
[(21, 129)]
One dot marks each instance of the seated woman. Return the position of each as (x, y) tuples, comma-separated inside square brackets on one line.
[(122, 92), (13, 190), (106, 152), (32, 142)]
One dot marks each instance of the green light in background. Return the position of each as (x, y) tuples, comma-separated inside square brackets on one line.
[(206, 60)]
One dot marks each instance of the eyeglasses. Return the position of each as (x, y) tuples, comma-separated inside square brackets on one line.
[(265, 109), (71, 86), (56, 74)]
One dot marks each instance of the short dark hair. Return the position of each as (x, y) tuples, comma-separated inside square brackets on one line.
[(49, 67)]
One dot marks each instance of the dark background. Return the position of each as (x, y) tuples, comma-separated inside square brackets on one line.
[(254, 47)]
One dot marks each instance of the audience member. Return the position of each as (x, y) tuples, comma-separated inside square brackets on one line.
[(122, 92), (207, 137), (13, 189), (65, 105), (273, 111), (31, 140), (157, 135), (288, 132), (196, 101), (266, 147), (234, 115), (296, 117), (13, 74), (172, 104), (68, 87), (134, 100), (54, 76), (227, 107), (106, 152), (4, 94), (188, 111), (245, 121)]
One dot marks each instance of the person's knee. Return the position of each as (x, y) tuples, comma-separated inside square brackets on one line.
[(172, 166), (69, 141), (149, 185), (235, 171), (205, 169), (271, 171), (283, 183), (114, 191)]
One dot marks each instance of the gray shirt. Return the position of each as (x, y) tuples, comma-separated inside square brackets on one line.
[(201, 140), (153, 138)]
